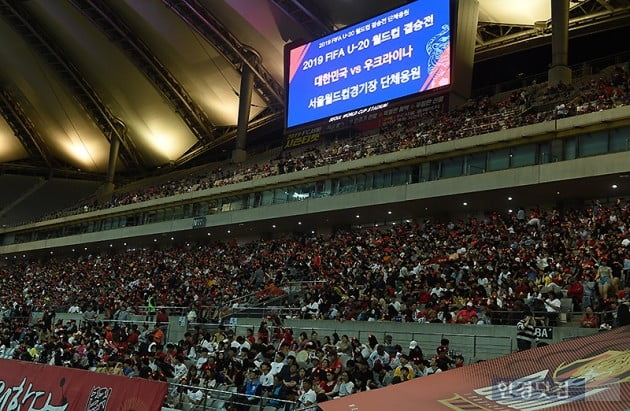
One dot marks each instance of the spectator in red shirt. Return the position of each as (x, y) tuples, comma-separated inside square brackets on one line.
[(575, 291), (589, 320), (162, 318), (464, 315)]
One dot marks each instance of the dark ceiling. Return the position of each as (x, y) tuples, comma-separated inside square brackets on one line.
[(163, 75)]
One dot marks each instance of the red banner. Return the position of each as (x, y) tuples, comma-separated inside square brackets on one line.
[(30, 386), (590, 373)]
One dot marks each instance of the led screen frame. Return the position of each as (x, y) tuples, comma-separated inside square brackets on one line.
[(392, 56)]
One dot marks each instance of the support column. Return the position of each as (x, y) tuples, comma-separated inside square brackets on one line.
[(559, 71), (244, 104), (114, 147), (463, 56)]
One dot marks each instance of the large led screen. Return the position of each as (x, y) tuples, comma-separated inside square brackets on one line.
[(394, 55)]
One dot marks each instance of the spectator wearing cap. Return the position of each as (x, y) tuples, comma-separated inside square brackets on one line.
[(415, 352), (464, 316)]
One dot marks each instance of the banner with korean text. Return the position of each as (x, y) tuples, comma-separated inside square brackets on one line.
[(588, 373), (30, 386)]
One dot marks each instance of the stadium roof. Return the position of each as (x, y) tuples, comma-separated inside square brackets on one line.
[(164, 75)]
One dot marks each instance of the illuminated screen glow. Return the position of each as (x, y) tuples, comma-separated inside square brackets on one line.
[(396, 54)]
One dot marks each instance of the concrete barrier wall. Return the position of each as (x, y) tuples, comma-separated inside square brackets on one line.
[(475, 342)]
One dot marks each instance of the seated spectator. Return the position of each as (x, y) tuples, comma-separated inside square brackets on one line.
[(552, 305), (589, 320), (464, 316), (415, 352), (405, 370), (344, 386), (278, 392), (307, 396)]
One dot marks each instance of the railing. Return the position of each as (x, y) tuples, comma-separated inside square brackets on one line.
[(219, 399), (234, 306), (269, 310)]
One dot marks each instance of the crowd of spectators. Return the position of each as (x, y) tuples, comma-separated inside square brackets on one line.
[(483, 269), (414, 271), (408, 129), (271, 365)]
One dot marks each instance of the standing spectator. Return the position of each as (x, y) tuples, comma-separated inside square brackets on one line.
[(588, 286), (604, 278), (47, 318), (162, 318), (150, 308), (525, 330), (191, 317), (158, 335), (122, 314), (575, 291), (90, 314)]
